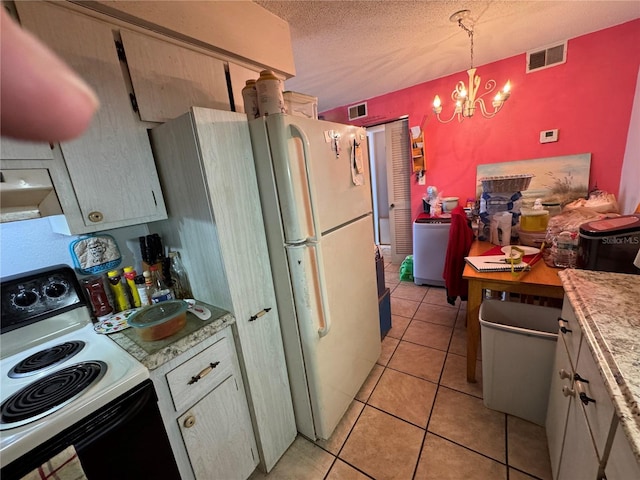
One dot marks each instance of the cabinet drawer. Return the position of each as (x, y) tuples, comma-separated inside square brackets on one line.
[(573, 333), (201, 374)]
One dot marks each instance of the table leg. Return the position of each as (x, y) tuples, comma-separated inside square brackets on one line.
[(473, 327)]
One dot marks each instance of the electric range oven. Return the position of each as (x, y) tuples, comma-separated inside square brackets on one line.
[(62, 384)]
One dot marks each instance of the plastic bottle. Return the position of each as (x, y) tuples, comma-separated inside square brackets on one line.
[(148, 285), (130, 275), (142, 290), (160, 292), (94, 287), (179, 278), (270, 98), (250, 97), (119, 294)]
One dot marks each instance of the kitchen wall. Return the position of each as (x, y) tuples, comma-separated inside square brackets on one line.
[(588, 99), (31, 244)]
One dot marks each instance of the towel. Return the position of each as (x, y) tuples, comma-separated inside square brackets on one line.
[(460, 239), (64, 466)]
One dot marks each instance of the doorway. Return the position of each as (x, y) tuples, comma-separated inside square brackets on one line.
[(390, 158)]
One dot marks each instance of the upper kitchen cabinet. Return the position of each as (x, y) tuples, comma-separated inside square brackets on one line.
[(168, 79), (11, 149), (112, 176)]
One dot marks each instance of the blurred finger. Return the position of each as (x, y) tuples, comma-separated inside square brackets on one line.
[(41, 97)]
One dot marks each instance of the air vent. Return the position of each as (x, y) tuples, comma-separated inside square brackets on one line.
[(546, 57), (358, 111)]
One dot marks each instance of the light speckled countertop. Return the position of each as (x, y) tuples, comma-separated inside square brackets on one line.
[(154, 354), (608, 309)]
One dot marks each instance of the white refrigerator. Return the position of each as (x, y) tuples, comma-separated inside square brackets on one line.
[(315, 191)]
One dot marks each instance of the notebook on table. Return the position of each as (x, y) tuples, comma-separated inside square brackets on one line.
[(494, 260), (494, 263)]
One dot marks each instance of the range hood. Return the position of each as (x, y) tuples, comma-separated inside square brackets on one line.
[(27, 194)]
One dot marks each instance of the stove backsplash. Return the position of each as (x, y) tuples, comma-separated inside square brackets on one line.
[(31, 244)]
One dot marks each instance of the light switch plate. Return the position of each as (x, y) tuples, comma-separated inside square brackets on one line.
[(548, 136)]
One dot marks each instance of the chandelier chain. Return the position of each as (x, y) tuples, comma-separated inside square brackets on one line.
[(470, 33)]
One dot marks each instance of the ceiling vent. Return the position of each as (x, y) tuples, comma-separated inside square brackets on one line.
[(546, 57), (358, 111)]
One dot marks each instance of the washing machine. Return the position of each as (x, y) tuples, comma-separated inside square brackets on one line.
[(430, 239)]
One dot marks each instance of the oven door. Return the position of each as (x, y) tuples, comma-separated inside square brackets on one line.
[(125, 439)]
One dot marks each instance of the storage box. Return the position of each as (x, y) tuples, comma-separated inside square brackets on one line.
[(518, 350), (384, 307), (301, 105)]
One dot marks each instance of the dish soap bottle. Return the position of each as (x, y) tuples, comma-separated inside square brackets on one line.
[(179, 278), (119, 294)]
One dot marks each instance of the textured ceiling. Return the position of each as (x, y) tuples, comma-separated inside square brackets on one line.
[(348, 51)]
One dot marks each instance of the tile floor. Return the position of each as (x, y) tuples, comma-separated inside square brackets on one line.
[(416, 417)]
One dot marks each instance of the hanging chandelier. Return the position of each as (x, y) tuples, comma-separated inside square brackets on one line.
[(466, 98)]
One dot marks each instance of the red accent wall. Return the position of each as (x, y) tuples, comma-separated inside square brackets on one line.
[(588, 99)]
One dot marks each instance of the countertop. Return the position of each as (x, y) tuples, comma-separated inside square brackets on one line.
[(154, 354), (608, 312)]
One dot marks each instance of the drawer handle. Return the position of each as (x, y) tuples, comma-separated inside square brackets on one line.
[(259, 314), (203, 373), (190, 421), (561, 322), (579, 382)]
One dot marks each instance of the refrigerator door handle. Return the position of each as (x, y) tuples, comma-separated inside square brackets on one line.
[(297, 132), (324, 299)]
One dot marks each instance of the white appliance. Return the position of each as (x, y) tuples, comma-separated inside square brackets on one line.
[(315, 192), (63, 384), (430, 239)]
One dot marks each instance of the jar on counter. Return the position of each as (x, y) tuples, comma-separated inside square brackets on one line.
[(270, 97), (553, 208), (179, 278)]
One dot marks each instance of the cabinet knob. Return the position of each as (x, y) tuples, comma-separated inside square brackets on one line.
[(95, 216), (190, 421), (568, 392), (563, 328), (564, 374)]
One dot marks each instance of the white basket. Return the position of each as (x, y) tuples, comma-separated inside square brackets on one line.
[(506, 183)]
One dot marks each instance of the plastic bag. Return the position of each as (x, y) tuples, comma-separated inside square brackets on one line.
[(406, 269)]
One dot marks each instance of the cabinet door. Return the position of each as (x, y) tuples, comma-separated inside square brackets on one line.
[(111, 166), (579, 460), (558, 406), (238, 77), (597, 404), (622, 464), (218, 436), (169, 79)]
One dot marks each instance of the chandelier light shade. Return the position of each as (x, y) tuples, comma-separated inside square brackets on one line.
[(466, 98)]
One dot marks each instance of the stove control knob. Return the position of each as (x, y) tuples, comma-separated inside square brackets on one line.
[(25, 298), (56, 289)]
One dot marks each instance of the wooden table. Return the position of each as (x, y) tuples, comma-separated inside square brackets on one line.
[(541, 280)]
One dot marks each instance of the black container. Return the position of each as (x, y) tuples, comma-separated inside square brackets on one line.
[(610, 245)]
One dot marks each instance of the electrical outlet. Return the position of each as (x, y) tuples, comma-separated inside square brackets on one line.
[(548, 136)]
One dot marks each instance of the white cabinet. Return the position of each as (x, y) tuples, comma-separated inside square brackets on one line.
[(205, 411), (571, 449), (112, 180), (581, 419), (206, 166), (168, 78)]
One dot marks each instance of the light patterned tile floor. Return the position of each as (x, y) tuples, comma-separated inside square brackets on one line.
[(416, 417)]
